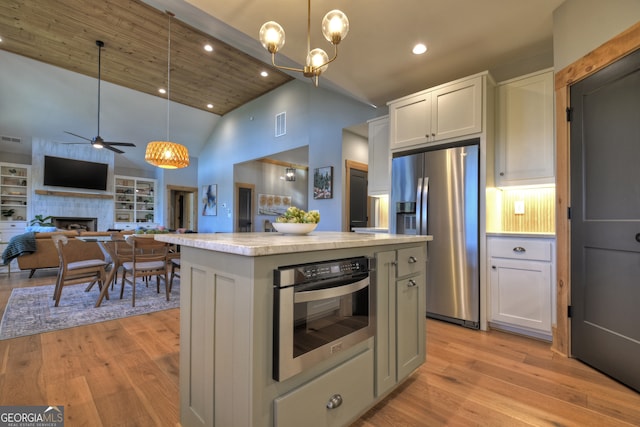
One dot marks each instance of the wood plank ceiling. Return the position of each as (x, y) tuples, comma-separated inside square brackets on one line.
[(64, 33)]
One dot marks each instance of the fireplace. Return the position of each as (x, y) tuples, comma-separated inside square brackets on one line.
[(74, 223)]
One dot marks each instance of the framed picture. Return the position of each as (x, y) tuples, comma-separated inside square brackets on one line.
[(210, 200), (272, 204), (323, 183)]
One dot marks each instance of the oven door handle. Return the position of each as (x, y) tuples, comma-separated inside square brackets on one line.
[(337, 291)]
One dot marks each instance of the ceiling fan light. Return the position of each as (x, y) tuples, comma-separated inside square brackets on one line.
[(167, 155), (272, 36), (335, 26)]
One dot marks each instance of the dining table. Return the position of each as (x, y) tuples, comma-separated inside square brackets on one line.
[(111, 257)]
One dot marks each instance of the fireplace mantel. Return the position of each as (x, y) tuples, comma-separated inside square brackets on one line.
[(73, 194)]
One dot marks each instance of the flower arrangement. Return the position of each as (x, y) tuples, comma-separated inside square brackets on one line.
[(295, 215)]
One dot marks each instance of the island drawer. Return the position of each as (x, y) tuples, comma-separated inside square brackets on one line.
[(520, 248), (410, 260), (307, 405)]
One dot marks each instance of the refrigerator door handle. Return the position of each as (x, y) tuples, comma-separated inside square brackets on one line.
[(419, 206), (424, 205)]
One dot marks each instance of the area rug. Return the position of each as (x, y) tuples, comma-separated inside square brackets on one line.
[(31, 310)]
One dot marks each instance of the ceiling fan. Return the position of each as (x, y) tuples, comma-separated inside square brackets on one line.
[(98, 142)]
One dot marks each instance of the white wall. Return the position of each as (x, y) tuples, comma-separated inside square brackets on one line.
[(580, 26), (315, 117)]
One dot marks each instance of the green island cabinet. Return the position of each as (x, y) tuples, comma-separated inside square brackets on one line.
[(226, 329)]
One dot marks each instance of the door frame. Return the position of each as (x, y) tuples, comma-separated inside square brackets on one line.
[(237, 186), (619, 46), (192, 190), (351, 164)]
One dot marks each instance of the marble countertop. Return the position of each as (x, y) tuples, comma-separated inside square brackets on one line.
[(261, 244)]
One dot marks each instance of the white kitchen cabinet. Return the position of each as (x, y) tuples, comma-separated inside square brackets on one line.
[(379, 176), (525, 131), (400, 315), (134, 200), (447, 111), (521, 278), (8, 230)]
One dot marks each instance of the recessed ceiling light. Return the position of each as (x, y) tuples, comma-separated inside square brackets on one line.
[(264, 73), (162, 91), (419, 49), (209, 106), (0, 39), (208, 48)]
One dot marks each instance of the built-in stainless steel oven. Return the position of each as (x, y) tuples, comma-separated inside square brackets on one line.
[(319, 309)]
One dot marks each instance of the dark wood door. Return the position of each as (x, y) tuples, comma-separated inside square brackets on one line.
[(358, 198), (605, 220), (245, 218)]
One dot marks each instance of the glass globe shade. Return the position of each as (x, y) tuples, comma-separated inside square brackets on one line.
[(272, 36), (335, 26), (316, 58)]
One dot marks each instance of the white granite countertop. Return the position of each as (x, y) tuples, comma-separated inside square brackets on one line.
[(261, 244)]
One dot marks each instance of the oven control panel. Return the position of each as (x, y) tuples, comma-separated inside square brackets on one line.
[(304, 273)]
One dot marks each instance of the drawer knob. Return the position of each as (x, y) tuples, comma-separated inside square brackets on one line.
[(334, 401), (412, 260), (638, 237), (411, 283), (519, 249)]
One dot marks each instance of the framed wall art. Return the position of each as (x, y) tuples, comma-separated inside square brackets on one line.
[(210, 200), (272, 204), (323, 183)]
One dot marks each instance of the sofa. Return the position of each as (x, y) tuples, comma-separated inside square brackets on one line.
[(46, 255)]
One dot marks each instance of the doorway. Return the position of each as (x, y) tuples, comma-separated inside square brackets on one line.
[(182, 208), (245, 210), (357, 201), (605, 220)]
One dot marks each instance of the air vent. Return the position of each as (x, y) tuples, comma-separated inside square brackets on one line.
[(281, 124), (14, 139)]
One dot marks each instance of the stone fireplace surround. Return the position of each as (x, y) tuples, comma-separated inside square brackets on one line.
[(67, 204), (76, 223)]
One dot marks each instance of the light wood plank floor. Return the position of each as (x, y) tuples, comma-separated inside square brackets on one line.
[(125, 373)]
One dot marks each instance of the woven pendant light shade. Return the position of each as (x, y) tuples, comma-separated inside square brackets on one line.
[(166, 154)]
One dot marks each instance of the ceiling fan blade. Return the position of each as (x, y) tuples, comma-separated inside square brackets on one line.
[(115, 150), (122, 144), (74, 134)]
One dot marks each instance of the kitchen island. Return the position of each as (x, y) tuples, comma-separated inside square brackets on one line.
[(227, 328)]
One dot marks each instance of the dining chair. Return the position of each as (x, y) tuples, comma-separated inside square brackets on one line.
[(74, 269), (148, 258), (120, 251), (175, 265)]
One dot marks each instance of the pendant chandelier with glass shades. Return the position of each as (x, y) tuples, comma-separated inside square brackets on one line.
[(335, 27)]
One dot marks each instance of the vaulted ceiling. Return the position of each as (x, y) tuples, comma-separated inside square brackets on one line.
[(135, 54), (374, 66)]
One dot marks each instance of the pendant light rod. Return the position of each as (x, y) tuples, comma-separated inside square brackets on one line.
[(100, 45), (171, 15)]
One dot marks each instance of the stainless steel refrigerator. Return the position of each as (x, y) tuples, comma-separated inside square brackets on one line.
[(436, 192)]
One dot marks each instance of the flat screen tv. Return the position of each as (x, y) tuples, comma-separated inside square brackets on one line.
[(61, 172)]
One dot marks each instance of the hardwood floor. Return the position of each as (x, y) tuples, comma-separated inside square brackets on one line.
[(125, 373)]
